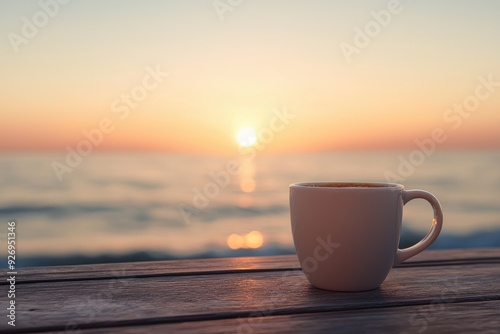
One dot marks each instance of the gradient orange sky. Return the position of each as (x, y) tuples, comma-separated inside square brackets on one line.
[(228, 74)]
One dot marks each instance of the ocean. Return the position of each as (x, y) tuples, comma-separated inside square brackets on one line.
[(113, 207)]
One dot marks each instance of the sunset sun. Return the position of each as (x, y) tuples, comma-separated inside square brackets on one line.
[(246, 137)]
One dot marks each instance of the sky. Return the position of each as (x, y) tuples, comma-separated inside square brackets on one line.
[(188, 76)]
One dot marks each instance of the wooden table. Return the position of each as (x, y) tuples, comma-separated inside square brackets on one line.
[(436, 292)]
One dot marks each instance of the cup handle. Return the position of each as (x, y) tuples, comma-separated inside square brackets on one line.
[(437, 223)]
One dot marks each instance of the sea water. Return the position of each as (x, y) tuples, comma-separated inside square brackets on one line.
[(127, 206)]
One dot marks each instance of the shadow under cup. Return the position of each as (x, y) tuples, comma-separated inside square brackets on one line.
[(346, 234)]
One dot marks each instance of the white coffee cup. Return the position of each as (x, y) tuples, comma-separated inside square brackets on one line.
[(346, 234)]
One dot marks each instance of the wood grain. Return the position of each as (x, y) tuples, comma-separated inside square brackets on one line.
[(437, 318), (150, 300), (223, 265)]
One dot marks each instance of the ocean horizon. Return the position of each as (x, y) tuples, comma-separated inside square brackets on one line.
[(120, 207)]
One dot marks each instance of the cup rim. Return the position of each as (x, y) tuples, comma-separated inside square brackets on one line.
[(338, 185)]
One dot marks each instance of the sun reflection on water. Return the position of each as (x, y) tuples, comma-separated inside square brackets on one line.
[(252, 240), (247, 176)]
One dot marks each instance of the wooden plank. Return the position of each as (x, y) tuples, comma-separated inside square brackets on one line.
[(435, 318), (222, 265), (157, 268), (454, 255), (48, 306)]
